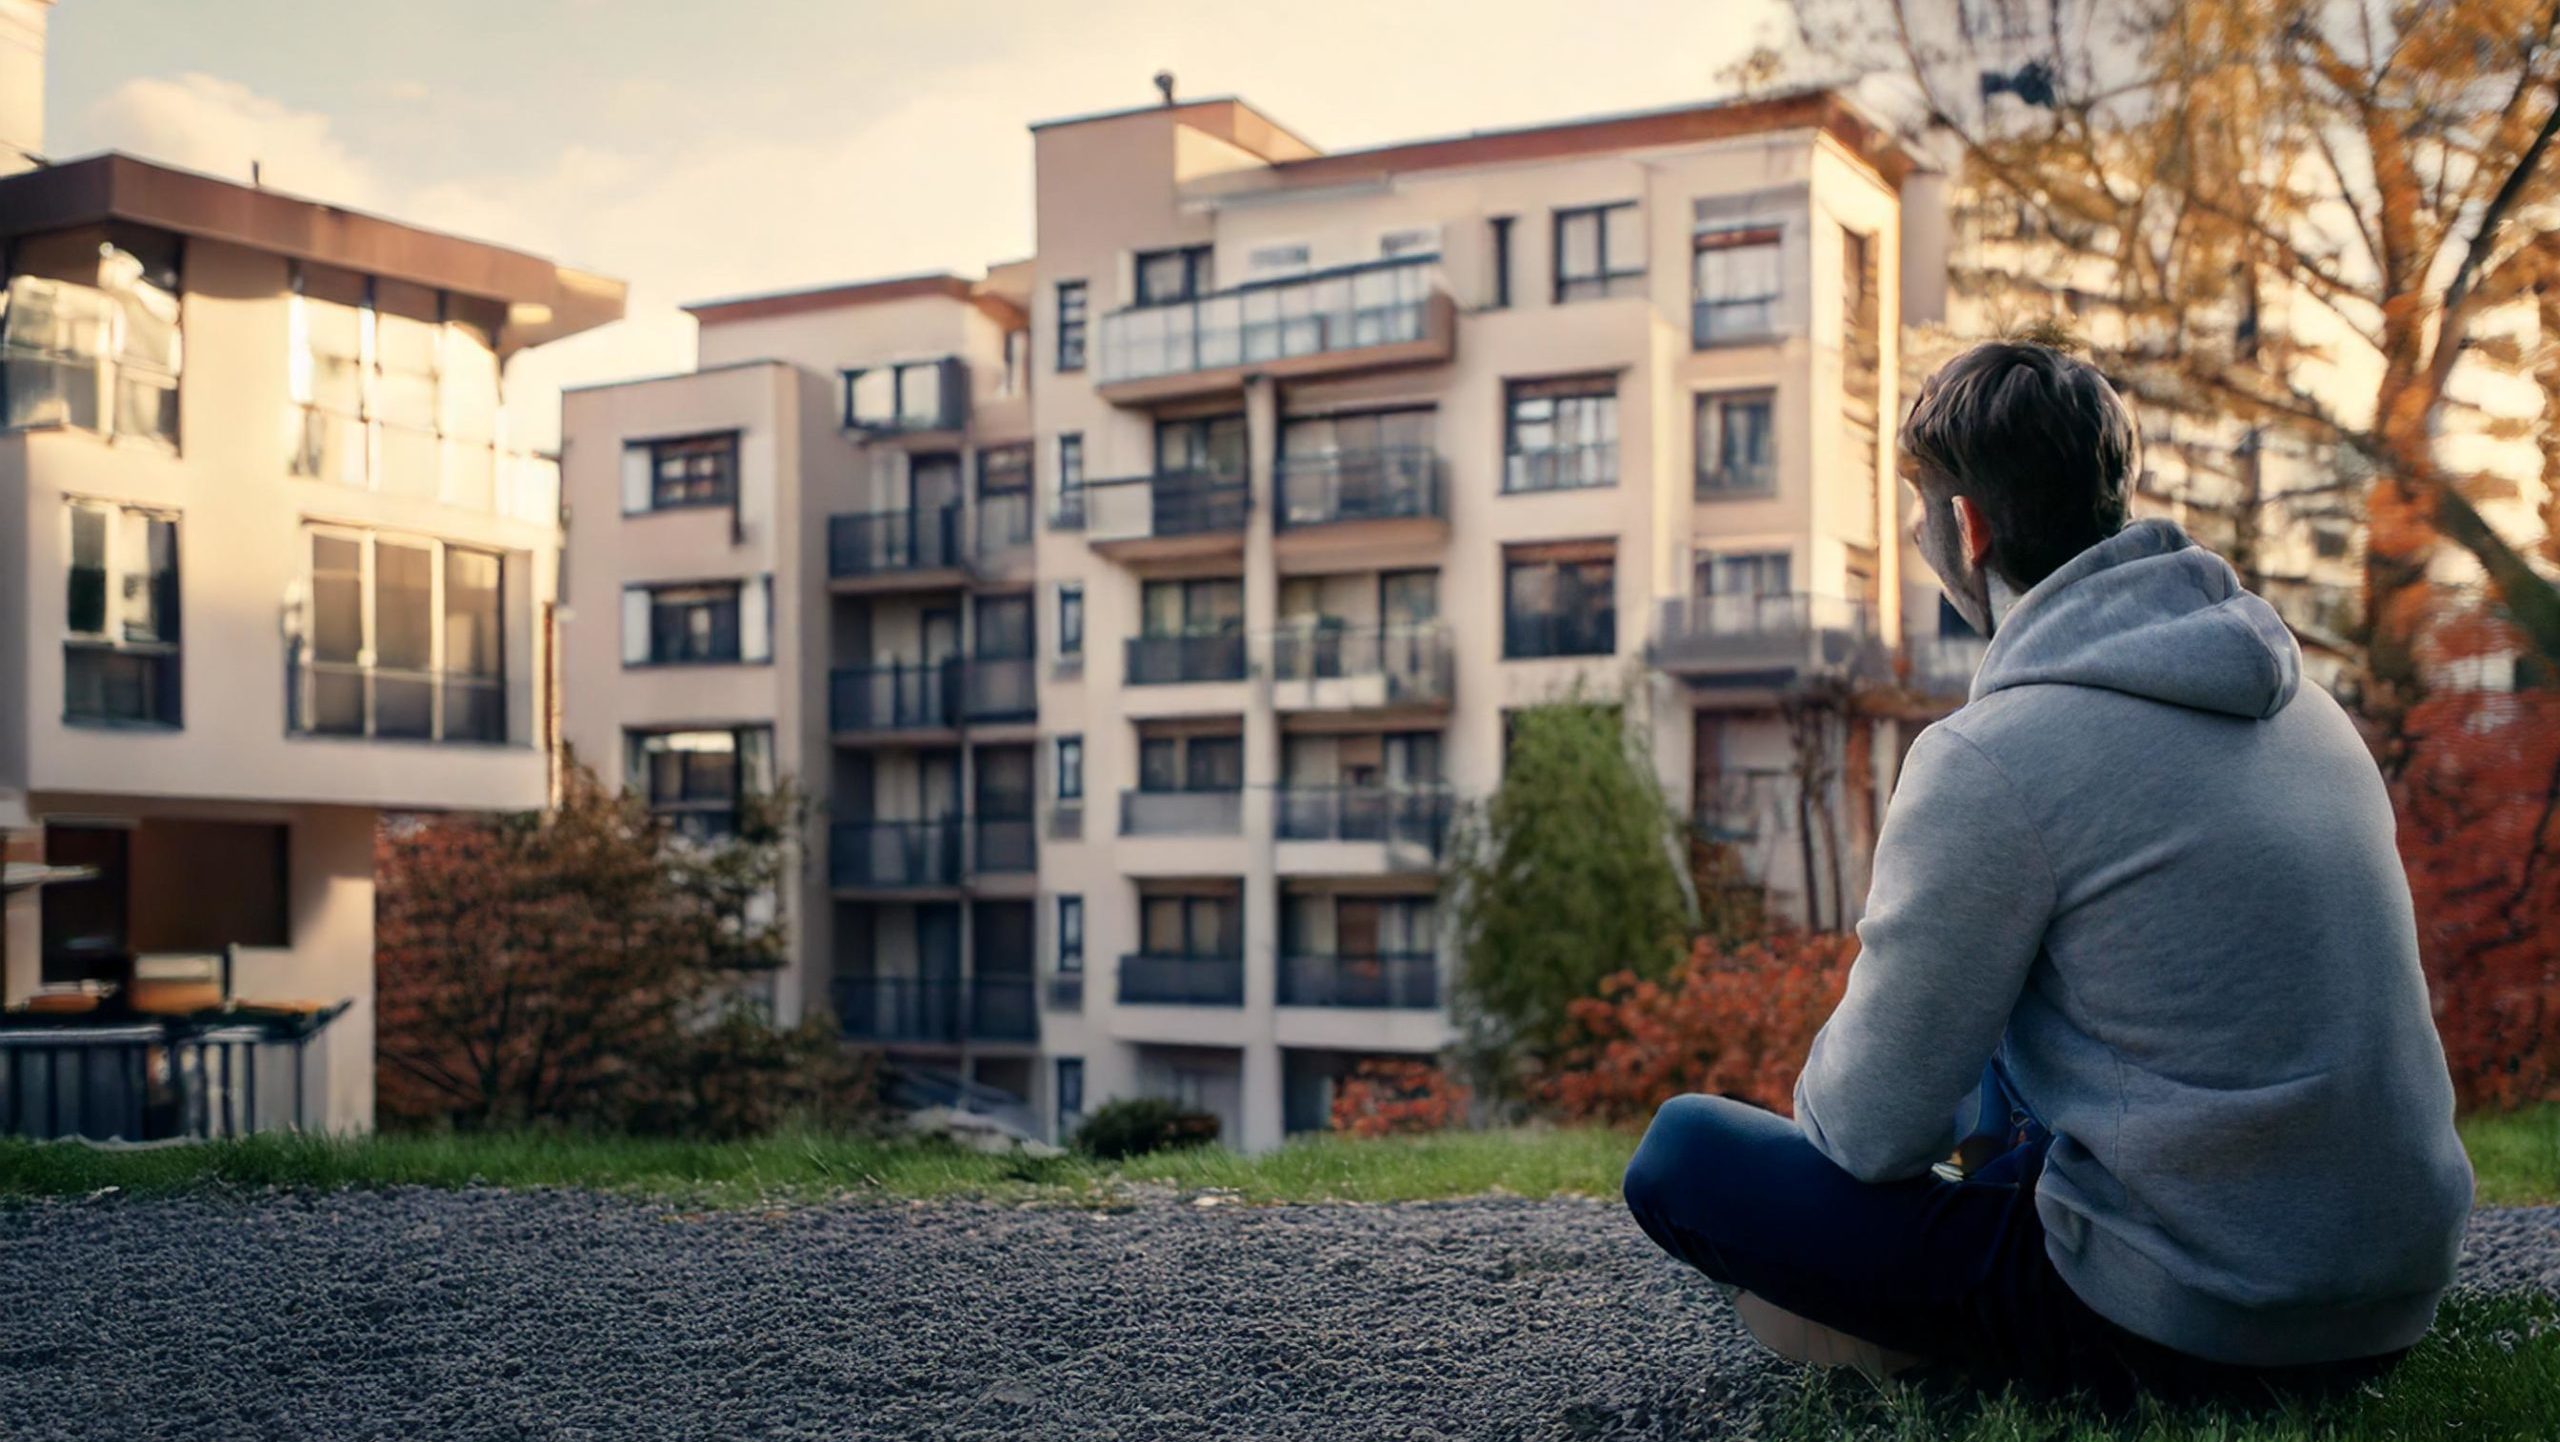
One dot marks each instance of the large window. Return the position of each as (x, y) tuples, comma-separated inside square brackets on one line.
[(1207, 607), (695, 779), (1735, 283), (1753, 574), (394, 387), (120, 660), (694, 623), (1561, 435), (1208, 446), (909, 396), (1599, 252), (1191, 763), (1071, 325), (1169, 276), (90, 333), (684, 471), (404, 639), (1737, 451), (1191, 925), (1559, 601)]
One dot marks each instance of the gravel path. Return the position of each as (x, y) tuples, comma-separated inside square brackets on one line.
[(487, 1314)]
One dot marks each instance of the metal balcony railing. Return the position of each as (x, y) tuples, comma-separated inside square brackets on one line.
[(897, 1008), (1408, 816), (1398, 980), (1181, 813), (1003, 1008), (1167, 660), (999, 688), (1533, 635), (884, 543), (1164, 504), (1006, 843), (1755, 633), (1382, 484), (1003, 527), (898, 696), (1182, 980), (894, 853), (1413, 657), (345, 698), (156, 1080), (1347, 309)]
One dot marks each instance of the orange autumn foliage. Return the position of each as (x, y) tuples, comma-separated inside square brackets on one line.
[(1391, 1098), (1732, 1023)]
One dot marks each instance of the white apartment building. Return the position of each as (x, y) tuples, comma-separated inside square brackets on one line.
[(269, 566), (1339, 460)]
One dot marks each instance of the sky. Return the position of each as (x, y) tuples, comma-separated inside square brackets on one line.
[(700, 149)]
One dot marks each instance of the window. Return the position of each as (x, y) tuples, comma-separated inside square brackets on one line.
[(1737, 449), (1211, 606), (685, 471), (1004, 498), (1070, 619), (1191, 925), (120, 660), (1016, 379), (394, 388), (1561, 435), (1599, 252), (695, 779), (1211, 446), (1501, 261), (1191, 763), (403, 638), (1068, 769), (1755, 574), (1559, 602), (1070, 1094), (90, 333), (1003, 627), (1166, 277), (1071, 324), (1070, 505), (708, 621), (1070, 933), (1734, 285), (909, 396)]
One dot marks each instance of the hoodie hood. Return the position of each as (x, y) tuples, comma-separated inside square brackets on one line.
[(2152, 614)]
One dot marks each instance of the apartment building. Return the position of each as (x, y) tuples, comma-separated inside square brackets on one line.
[(270, 566), (1142, 613)]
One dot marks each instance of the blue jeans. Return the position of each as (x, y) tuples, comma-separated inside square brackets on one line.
[(1953, 1272)]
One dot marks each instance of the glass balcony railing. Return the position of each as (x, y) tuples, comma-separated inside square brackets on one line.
[(1182, 813), (1779, 631), (1397, 980), (880, 543), (1354, 308), (1182, 980), (1168, 660), (1416, 816), (1162, 505), (1385, 484)]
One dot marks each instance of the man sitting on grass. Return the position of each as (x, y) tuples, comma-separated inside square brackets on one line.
[(2136, 907)]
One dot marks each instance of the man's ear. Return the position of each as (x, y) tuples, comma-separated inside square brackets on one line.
[(1975, 530)]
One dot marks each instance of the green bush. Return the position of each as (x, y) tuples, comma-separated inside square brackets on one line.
[(743, 1077), (1136, 1126)]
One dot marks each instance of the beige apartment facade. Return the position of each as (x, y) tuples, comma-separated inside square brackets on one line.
[(1138, 694), (269, 567)]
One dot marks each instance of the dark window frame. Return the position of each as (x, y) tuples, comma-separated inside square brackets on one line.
[(1070, 619), (1732, 240), (722, 446), (1066, 768), (1556, 390), (659, 605), (1712, 481), (1603, 283), (1501, 225), (154, 660), (1570, 576), (946, 403), (1199, 276), (1070, 938), (703, 817), (1073, 325)]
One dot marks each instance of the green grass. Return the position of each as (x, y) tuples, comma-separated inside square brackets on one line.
[(2517, 1156)]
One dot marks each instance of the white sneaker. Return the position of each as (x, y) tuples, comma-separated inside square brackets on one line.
[(1799, 1340)]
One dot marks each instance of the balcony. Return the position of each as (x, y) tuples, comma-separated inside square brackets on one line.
[(1327, 666), (1408, 981), (346, 698), (897, 1009), (894, 855), (1360, 317), (1540, 635), (1174, 660), (1004, 845), (1765, 640), (1003, 1008), (1395, 483), (147, 1078), (1181, 813), (1166, 514), (995, 689), (1410, 817), (892, 550), (917, 398), (900, 697), (1942, 667), (1000, 534), (1155, 979)]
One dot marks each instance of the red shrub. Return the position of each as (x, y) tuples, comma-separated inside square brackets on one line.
[(1732, 1023), (1385, 1098)]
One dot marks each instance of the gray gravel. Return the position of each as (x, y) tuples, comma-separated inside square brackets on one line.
[(488, 1314)]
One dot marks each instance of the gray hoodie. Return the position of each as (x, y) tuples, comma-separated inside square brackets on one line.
[(2157, 872)]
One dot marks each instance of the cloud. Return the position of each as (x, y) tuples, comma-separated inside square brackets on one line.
[(203, 122)]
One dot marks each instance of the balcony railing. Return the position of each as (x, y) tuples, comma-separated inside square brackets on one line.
[(1168, 660), (1385, 484), (1534, 635), (1165, 504), (897, 1008), (894, 853), (1785, 632), (884, 543), (1353, 308), (346, 698), (1000, 688), (1399, 980), (1181, 813), (900, 696), (1415, 816), (1004, 1008), (1007, 843), (1182, 980), (1412, 657), (1066, 508), (155, 1080)]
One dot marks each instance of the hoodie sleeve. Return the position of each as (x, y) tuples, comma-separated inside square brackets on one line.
[(1956, 912)]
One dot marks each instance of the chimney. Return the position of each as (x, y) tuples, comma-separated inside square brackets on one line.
[(22, 25)]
